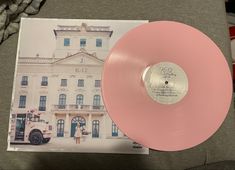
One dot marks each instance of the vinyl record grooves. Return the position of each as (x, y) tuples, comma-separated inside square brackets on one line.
[(167, 86)]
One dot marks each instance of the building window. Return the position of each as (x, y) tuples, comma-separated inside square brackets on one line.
[(98, 42), (62, 101), (82, 42), (42, 103), (96, 102), (60, 128), (114, 129), (97, 83), (24, 81), (95, 128), (63, 82), (66, 42), (74, 123), (44, 81), (22, 102), (80, 83), (79, 99)]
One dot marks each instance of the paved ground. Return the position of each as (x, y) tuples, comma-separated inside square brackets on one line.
[(88, 145)]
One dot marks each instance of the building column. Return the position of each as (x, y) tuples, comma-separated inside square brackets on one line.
[(103, 126), (89, 125), (54, 125), (67, 126)]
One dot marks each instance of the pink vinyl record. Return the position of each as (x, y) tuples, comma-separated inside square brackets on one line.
[(167, 86)]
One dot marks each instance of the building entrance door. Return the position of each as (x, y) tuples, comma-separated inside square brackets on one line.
[(74, 122), (60, 128), (95, 128)]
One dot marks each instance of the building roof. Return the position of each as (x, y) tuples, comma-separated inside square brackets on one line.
[(83, 27), (53, 60)]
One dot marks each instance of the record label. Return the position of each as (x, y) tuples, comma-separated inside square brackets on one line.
[(165, 82)]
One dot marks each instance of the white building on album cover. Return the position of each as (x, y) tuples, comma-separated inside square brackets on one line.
[(65, 89)]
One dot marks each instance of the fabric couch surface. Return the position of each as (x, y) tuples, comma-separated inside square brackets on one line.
[(205, 15)]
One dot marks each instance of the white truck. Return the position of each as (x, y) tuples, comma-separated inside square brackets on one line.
[(29, 128)]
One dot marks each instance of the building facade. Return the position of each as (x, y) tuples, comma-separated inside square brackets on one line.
[(65, 88)]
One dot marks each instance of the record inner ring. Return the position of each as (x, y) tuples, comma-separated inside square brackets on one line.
[(165, 82)]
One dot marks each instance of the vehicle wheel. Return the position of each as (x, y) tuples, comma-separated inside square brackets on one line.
[(35, 138), (46, 140)]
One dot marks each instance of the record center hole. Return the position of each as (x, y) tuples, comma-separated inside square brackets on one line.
[(166, 82)]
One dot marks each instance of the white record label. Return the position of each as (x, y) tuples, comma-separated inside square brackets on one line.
[(165, 82)]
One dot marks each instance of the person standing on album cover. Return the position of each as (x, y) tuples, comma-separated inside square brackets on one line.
[(78, 134)]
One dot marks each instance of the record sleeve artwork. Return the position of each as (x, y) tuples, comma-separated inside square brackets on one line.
[(171, 82), (57, 104)]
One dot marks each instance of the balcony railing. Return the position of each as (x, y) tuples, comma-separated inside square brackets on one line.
[(42, 108), (60, 107), (78, 107), (100, 107)]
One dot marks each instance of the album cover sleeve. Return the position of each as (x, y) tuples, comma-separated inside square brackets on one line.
[(57, 104)]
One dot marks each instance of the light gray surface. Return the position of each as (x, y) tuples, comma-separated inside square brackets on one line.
[(206, 15)]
